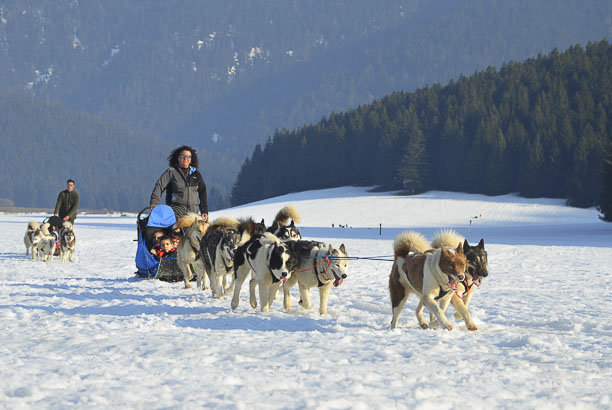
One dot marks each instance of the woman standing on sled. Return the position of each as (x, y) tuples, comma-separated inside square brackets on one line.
[(185, 188)]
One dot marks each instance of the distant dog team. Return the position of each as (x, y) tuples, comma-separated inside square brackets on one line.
[(45, 244)]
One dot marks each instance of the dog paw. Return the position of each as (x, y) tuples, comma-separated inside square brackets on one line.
[(188, 287), (424, 326), (472, 329)]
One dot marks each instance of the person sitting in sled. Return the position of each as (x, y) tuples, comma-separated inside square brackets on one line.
[(163, 248)]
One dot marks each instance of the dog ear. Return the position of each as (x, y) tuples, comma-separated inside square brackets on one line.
[(466, 246), (262, 222), (459, 249), (331, 248), (342, 249), (481, 244), (292, 224)]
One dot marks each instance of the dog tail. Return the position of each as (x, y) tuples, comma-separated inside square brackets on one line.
[(33, 226), (409, 241), (447, 238), (288, 212), (246, 228), (225, 222), (187, 220)]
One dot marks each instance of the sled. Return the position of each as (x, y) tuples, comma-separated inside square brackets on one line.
[(148, 222)]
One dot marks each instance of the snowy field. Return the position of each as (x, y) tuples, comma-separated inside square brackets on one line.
[(89, 334)]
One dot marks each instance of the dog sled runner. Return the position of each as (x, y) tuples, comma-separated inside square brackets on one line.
[(160, 218)]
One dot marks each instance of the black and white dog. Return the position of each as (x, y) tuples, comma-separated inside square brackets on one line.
[(270, 261), (217, 250), (67, 242), (282, 230), (316, 265)]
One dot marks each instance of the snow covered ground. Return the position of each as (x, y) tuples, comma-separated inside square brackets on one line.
[(91, 335)]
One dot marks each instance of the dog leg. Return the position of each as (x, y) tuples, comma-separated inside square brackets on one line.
[(286, 287), (252, 296), (228, 289), (264, 297), (272, 292), (186, 268), (304, 296), (397, 311), (463, 311), (433, 320), (466, 302), (323, 297), (199, 279), (432, 306), (241, 275)]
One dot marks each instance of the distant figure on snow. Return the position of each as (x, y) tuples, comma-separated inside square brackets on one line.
[(67, 203)]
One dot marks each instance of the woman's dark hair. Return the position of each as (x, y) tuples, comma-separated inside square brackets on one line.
[(173, 158)]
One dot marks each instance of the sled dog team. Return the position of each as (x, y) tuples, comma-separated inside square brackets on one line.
[(45, 243), (446, 270), (275, 256)]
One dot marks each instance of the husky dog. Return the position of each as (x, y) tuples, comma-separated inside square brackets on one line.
[(316, 265), (46, 247), (217, 250), (67, 242), (270, 261), (477, 268), (188, 252), (250, 230), (32, 238), (432, 275), (280, 228)]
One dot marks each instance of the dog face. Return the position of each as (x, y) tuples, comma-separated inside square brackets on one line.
[(453, 264), (34, 237), (280, 261), (289, 233), (229, 243), (477, 263), (339, 264), (68, 238), (285, 232)]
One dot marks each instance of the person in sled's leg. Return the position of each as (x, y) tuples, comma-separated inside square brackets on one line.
[(184, 185)]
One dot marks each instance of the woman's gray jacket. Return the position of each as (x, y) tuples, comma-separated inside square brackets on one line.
[(184, 193)]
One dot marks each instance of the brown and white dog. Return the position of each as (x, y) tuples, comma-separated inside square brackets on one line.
[(433, 275), (477, 268), (32, 238), (188, 252)]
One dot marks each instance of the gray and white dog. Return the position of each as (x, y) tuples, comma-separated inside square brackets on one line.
[(67, 242), (217, 249), (32, 238), (316, 265)]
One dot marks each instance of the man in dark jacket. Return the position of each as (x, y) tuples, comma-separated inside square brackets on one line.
[(184, 185), (67, 203)]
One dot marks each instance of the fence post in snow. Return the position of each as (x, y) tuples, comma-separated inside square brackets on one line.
[(379, 229)]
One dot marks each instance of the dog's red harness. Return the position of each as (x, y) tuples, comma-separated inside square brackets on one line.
[(317, 264), (467, 292)]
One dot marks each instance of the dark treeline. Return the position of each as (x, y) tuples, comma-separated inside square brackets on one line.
[(224, 74), (539, 128), (44, 144)]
